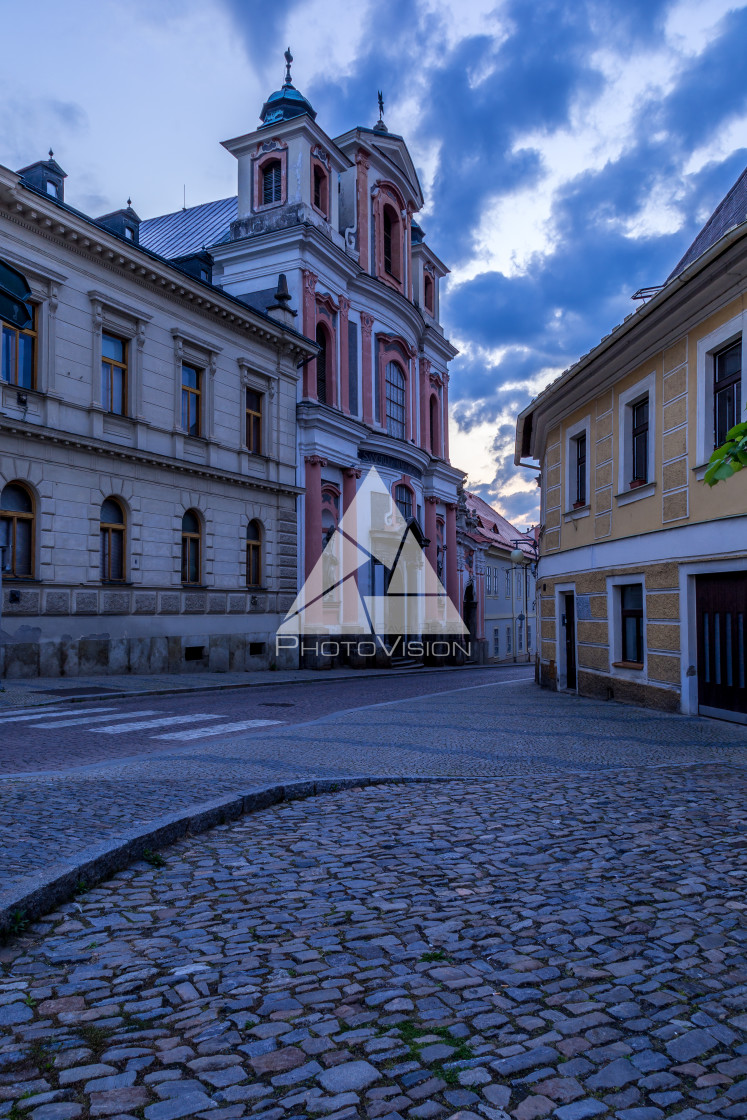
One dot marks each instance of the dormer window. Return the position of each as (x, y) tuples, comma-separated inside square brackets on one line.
[(52, 188), (272, 184), (128, 232)]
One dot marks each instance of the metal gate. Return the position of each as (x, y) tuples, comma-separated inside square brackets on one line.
[(721, 606)]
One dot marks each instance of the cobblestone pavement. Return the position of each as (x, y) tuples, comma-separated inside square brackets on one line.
[(565, 945), (489, 731)]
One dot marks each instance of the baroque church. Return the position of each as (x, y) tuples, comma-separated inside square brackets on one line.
[(336, 218)]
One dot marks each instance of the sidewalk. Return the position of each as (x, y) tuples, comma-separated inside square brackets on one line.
[(46, 690)]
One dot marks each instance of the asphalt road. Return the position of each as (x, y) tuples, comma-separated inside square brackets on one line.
[(65, 735)]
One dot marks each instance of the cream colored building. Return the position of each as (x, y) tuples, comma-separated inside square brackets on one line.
[(147, 452), (643, 573)]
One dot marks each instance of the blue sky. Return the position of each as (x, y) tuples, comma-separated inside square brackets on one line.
[(569, 152)]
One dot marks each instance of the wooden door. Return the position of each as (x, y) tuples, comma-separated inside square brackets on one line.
[(570, 641), (721, 608)]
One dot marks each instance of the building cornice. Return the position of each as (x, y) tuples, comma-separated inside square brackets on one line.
[(57, 222), (134, 455)]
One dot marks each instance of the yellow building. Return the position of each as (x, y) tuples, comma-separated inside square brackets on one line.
[(642, 583)]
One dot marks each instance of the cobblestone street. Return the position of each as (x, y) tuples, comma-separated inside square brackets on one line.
[(558, 933)]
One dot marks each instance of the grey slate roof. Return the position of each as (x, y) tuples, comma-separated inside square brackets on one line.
[(730, 212), (188, 231)]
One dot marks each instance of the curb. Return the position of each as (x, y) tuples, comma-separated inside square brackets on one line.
[(321, 679), (42, 892)]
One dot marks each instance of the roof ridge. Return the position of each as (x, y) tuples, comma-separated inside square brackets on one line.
[(714, 229)]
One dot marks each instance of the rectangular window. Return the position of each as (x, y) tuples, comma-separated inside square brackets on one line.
[(191, 400), (580, 442), (253, 435), (727, 391), (18, 362), (639, 433), (520, 634), (508, 583), (496, 642), (529, 635), (631, 622), (488, 581), (508, 639), (113, 374)]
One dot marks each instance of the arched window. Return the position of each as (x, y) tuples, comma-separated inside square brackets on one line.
[(395, 401), (191, 539), (428, 293), (17, 531), (435, 447), (272, 182), (392, 243), (320, 190), (403, 500), (321, 364), (112, 540), (254, 554)]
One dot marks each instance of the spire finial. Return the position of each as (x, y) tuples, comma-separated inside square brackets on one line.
[(51, 154), (381, 106), (129, 202), (288, 59)]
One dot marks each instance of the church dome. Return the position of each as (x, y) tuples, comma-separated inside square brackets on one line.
[(287, 102)]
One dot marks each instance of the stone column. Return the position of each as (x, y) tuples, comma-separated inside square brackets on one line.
[(452, 578), (313, 512), (431, 531), (366, 367)]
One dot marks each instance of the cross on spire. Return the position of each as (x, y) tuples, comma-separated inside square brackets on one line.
[(288, 59)]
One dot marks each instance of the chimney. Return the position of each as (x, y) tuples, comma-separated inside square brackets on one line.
[(280, 307)]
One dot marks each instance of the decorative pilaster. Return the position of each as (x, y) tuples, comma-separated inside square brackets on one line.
[(364, 237), (344, 304), (367, 323), (350, 597), (431, 531), (445, 412), (452, 577), (423, 381), (309, 329), (313, 511)]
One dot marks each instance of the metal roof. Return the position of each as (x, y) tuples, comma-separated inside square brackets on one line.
[(730, 212), (189, 231)]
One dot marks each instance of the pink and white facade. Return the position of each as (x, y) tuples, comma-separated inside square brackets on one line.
[(336, 217)]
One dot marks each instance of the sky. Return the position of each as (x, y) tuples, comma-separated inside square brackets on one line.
[(569, 151)]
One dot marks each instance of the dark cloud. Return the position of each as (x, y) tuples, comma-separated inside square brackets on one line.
[(477, 102), (261, 26)]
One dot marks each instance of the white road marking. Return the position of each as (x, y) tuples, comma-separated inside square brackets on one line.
[(92, 719), (203, 732), (137, 725), (45, 713)]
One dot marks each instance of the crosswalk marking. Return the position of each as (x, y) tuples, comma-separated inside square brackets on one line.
[(89, 719), (137, 725), (43, 713), (203, 732)]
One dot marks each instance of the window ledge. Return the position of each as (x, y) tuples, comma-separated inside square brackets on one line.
[(700, 471), (574, 514), (635, 495), (638, 665)]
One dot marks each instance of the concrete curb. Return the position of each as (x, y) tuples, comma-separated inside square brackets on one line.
[(320, 678), (38, 894)]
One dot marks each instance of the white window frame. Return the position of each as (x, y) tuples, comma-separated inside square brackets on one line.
[(582, 427), (708, 347), (626, 400), (508, 592), (614, 616)]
